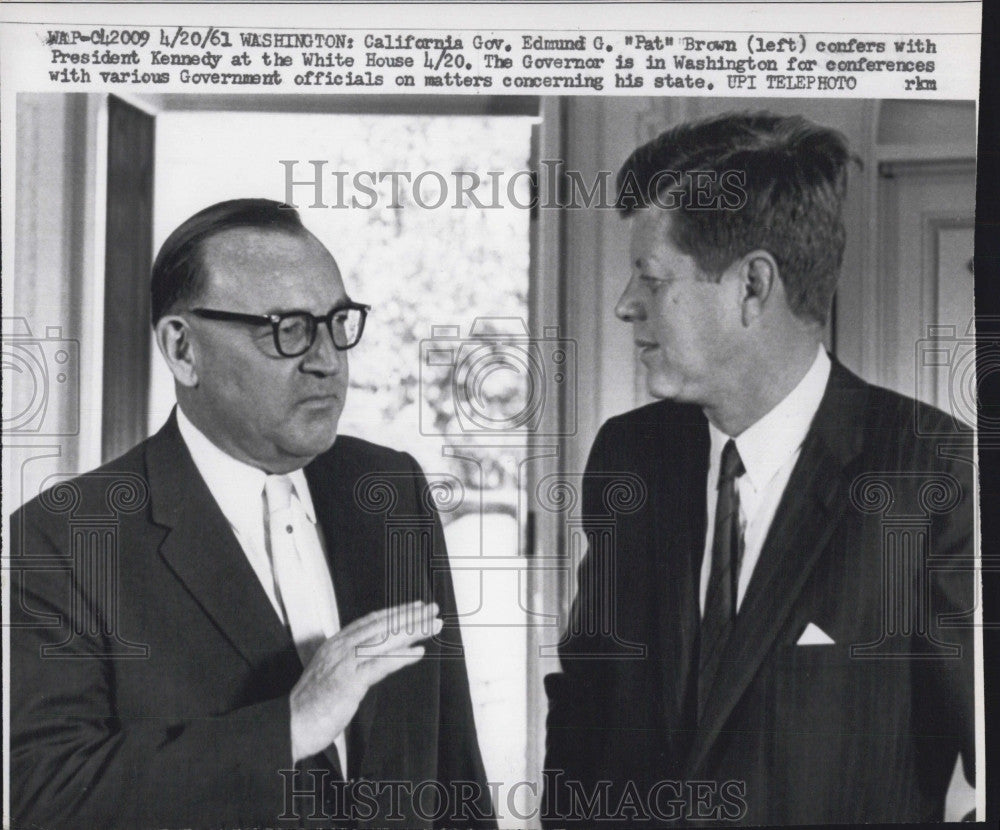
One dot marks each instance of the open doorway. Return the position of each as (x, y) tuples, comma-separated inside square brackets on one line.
[(430, 268)]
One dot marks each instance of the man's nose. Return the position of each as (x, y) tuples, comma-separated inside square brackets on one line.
[(629, 307), (323, 358)]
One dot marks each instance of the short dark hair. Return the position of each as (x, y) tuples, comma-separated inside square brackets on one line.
[(178, 272), (765, 181)]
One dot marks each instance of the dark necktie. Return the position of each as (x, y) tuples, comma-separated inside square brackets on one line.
[(720, 601)]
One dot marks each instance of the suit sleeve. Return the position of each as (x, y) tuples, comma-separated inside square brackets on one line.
[(460, 763), (944, 694), (75, 763), (575, 740)]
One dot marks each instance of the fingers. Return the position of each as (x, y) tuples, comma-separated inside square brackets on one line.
[(401, 625), (411, 627), (390, 643), (350, 662), (379, 667), (388, 630), (386, 644), (388, 619)]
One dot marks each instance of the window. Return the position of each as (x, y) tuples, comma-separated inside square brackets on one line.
[(429, 273)]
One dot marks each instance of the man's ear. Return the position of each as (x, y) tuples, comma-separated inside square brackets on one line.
[(758, 282), (173, 337)]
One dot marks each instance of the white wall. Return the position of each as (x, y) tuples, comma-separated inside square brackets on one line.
[(599, 135), (52, 288)]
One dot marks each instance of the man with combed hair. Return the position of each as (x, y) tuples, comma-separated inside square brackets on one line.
[(247, 643), (765, 641)]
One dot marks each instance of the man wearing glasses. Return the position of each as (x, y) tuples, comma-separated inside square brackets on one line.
[(258, 651)]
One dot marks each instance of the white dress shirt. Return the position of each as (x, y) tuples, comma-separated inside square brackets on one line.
[(238, 489), (769, 449)]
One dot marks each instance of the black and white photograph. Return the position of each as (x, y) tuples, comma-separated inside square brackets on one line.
[(586, 437)]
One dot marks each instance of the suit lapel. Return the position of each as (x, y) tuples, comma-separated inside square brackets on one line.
[(354, 543), (203, 552), (682, 529), (810, 509)]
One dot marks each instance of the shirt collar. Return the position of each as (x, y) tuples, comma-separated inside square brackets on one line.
[(236, 485), (767, 444)]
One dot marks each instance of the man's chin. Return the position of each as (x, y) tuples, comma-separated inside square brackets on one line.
[(672, 389), (315, 436), (662, 386), (319, 444)]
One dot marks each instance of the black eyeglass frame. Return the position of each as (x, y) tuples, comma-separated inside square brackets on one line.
[(275, 320)]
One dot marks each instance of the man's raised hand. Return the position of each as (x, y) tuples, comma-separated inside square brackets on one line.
[(348, 664)]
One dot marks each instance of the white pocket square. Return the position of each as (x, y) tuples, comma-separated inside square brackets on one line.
[(814, 636)]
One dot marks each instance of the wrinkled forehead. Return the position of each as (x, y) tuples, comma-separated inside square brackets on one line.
[(241, 263)]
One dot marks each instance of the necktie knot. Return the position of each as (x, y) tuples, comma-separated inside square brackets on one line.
[(732, 465), (278, 490)]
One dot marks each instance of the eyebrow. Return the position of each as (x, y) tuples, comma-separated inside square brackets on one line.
[(339, 304)]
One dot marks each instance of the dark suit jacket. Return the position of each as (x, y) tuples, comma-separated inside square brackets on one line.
[(150, 675), (872, 542)]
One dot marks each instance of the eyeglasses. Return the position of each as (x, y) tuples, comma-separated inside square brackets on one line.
[(295, 331)]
